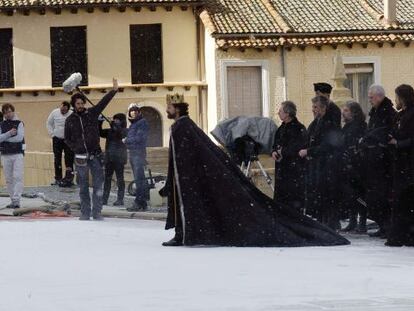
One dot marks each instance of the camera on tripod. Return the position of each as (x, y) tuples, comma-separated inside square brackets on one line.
[(245, 138), (245, 150)]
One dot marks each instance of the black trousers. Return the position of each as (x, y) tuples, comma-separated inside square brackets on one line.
[(110, 168), (59, 147)]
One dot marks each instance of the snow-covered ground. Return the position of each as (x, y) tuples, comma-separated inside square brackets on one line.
[(117, 265)]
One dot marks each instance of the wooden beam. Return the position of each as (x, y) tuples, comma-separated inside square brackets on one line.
[(153, 88), (138, 89), (52, 93), (168, 8), (318, 47), (393, 44), (407, 43), (18, 93), (152, 8), (58, 11), (334, 46), (122, 8), (9, 12), (380, 44), (90, 9), (102, 90), (121, 90), (106, 9), (74, 10), (35, 93), (242, 49), (187, 87), (364, 45), (260, 50), (349, 45), (289, 48), (26, 12), (184, 8), (42, 11), (137, 8), (170, 88)]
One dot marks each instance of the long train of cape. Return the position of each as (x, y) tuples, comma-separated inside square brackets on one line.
[(220, 206)]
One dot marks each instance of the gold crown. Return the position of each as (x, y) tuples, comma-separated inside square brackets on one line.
[(175, 99)]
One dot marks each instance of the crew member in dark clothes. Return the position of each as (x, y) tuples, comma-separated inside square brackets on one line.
[(377, 159), (352, 168), (333, 112), (82, 137), (211, 202), (321, 151), (289, 167), (115, 156), (402, 143)]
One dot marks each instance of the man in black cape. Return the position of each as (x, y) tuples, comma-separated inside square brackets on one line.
[(211, 202)]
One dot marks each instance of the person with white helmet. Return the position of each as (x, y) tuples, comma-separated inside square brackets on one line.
[(136, 142)]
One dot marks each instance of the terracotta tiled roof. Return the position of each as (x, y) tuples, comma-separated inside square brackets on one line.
[(5, 4), (270, 23)]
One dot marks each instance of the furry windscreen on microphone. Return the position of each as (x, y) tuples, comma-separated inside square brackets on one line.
[(72, 82)]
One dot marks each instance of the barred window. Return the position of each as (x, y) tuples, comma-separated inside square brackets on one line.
[(146, 54), (6, 59), (68, 53)]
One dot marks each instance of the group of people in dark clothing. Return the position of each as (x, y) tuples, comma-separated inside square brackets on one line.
[(356, 171), (78, 133)]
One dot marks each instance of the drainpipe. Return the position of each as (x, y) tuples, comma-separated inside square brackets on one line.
[(283, 63)]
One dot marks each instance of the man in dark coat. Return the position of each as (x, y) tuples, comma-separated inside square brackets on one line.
[(352, 168), (289, 167), (333, 113), (402, 142), (115, 156), (376, 155), (211, 202), (323, 142), (82, 137)]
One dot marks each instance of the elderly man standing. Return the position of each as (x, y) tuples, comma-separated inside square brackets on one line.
[(378, 160), (12, 151), (56, 127)]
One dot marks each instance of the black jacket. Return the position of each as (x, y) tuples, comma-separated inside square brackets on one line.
[(115, 149), (322, 167), (334, 114), (374, 145), (82, 130), (403, 152), (352, 168), (289, 172)]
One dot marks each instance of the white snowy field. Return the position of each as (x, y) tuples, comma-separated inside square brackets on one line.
[(117, 265)]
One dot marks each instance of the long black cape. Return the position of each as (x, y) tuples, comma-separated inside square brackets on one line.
[(217, 205)]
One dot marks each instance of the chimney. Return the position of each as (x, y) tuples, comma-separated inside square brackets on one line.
[(390, 11)]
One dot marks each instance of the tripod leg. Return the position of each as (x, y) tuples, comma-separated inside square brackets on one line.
[(266, 175)]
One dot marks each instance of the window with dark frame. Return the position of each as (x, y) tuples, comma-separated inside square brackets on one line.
[(68, 53), (146, 54), (6, 59)]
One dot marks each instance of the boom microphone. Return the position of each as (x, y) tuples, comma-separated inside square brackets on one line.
[(72, 82)]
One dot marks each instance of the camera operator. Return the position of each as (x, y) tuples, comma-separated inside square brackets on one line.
[(82, 137), (115, 156), (12, 152), (289, 167)]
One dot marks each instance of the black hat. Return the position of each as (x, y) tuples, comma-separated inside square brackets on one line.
[(323, 87)]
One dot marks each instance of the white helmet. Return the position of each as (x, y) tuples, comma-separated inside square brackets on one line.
[(133, 105)]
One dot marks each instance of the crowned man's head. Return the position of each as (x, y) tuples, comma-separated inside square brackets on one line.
[(176, 110)]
